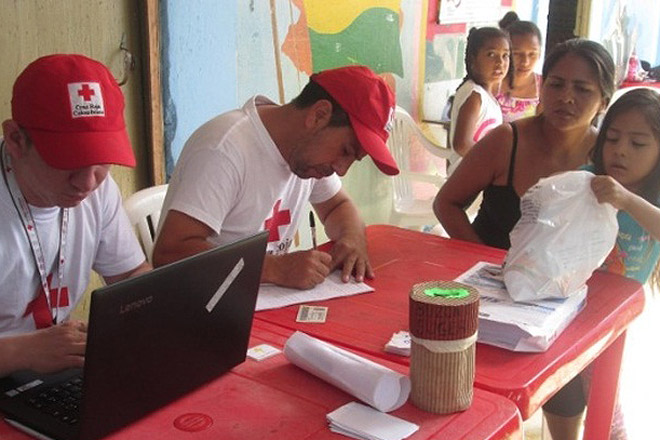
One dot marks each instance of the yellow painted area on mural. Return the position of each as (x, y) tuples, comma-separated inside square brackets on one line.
[(331, 17)]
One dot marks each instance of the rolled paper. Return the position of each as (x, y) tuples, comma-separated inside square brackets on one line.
[(444, 317), (374, 384)]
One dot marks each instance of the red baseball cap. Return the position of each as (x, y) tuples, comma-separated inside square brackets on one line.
[(73, 111), (369, 103)]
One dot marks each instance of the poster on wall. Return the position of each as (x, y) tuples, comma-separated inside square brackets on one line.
[(332, 34), (468, 11)]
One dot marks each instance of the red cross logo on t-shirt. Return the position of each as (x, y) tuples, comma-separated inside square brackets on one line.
[(39, 306), (86, 92), (279, 218)]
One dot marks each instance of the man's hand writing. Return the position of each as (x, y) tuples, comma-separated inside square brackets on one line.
[(300, 270)]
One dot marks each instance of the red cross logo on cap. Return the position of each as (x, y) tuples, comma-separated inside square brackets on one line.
[(86, 92), (279, 218), (86, 99)]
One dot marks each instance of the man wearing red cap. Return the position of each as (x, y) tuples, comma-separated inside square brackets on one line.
[(61, 214), (255, 169)]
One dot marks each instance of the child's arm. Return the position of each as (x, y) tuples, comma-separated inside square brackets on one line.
[(466, 123), (608, 190)]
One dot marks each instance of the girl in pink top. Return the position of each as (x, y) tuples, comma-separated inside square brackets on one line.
[(520, 98)]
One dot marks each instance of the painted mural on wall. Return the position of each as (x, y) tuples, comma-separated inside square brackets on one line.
[(341, 32)]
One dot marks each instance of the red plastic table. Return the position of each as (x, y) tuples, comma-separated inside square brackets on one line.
[(627, 84), (273, 399), (402, 258)]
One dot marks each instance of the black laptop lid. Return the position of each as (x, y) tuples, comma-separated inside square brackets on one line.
[(157, 337)]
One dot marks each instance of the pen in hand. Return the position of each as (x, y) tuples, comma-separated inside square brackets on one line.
[(312, 227)]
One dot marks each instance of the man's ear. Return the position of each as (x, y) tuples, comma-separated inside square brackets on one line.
[(319, 114), (14, 138)]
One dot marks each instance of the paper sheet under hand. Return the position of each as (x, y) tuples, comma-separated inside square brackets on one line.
[(362, 422), (375, 385), (273, 297)]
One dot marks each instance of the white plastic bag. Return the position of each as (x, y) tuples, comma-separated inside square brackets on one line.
[(562, 236)]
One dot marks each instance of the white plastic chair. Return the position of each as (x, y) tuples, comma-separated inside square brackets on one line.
[(143, 209), (617, 94), (422, 166)]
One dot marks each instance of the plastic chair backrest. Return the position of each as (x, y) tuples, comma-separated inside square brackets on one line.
[(143, 209), (617, 94), (422, 167)]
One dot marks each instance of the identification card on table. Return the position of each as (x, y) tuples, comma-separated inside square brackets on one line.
[(312, 314), (261, 352)]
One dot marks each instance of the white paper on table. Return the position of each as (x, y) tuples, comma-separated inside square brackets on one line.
[(378, 386), (363, 422), (273, 297)]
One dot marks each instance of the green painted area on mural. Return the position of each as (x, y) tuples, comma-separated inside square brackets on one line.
[(371, 39)]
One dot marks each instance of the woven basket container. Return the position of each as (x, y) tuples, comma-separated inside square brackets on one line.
[(444, 316)]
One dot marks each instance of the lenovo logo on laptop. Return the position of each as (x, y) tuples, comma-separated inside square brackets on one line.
[(135, 305)]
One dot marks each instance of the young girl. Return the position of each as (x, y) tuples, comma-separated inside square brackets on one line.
[(520, 98), (627, 167), (475, 110), (626, 160)]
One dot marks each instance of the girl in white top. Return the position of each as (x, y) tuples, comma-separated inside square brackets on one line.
[(475, 111)]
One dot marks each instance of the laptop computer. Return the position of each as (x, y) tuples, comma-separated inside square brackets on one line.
[(151, 339)]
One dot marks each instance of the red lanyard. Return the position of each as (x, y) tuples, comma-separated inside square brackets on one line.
[(30, 227)]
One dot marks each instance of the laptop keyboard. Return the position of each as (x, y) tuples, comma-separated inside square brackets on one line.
[(61, 401)]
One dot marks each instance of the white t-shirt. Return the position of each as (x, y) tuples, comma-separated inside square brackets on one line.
[(232, 177), (99, 237), (490, 116)]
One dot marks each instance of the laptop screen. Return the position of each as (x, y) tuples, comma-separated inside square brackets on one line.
[(157, 336)]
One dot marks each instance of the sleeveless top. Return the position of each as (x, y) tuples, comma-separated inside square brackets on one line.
[(500, 208), (516, 108)]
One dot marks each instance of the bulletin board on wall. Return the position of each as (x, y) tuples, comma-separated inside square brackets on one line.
[(469, 11)]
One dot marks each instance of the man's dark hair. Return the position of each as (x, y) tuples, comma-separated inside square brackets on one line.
[(313, 93)]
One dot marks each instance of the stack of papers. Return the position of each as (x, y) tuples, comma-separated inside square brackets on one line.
[(273, 297), (362, 422), (529, 326)]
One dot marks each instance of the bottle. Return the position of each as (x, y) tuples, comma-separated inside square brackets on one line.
[(633, 67)]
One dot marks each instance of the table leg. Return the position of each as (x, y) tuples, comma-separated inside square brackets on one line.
[(603, 391)]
